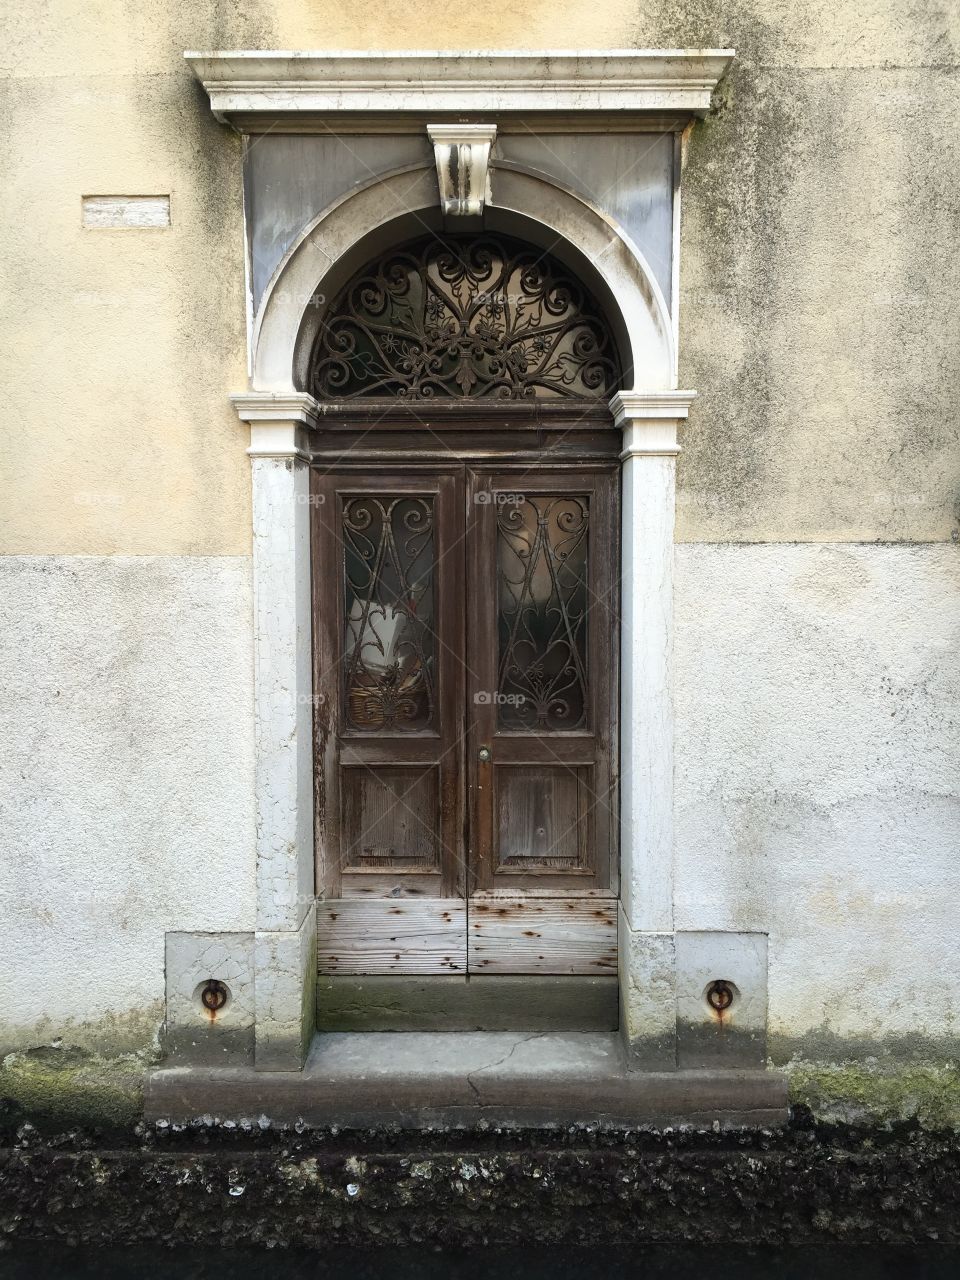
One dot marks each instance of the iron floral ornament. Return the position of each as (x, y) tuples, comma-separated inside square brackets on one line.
[(447, 317)]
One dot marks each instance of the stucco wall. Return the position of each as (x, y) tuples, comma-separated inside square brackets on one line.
[(126, 783), (820, 299), (817, 760)]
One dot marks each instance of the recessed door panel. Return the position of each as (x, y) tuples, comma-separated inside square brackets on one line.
[(391, 818), (540, 813)]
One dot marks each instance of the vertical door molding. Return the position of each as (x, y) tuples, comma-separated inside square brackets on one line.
[(649, 421), (285, 940)]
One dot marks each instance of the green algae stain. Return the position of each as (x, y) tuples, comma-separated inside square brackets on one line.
[(67, 1088), (857, 1093), (61, 1088)]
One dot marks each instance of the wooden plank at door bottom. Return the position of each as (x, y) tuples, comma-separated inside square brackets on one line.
[(543, 935), (362, 935)]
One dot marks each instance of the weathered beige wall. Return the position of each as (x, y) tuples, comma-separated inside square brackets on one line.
[(820, 294), (820, 289), (118, 345)]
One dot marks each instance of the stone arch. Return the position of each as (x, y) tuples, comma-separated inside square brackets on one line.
[(397, 206)]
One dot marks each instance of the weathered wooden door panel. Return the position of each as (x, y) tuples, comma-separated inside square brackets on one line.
[(542, 663), (388, 618), (542, 636)]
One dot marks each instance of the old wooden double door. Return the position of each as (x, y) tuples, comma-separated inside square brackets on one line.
[(465, 624)]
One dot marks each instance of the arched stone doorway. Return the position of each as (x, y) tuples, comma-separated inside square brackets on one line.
[(291, 429), (465, 608), (579, 156)]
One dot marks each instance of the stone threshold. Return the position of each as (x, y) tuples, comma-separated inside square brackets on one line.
[(437, 1080)]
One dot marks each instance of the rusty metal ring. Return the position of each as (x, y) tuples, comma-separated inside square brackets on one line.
[(214, 995), (720, 995)]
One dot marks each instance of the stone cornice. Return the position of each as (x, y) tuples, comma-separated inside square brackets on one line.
[(276, 406), (246, 82)]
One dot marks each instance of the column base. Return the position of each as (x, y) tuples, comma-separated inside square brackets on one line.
[(286, 996), (693, 999)]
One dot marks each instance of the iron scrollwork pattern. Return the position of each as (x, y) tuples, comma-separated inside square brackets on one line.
[(542, 611), (463, 318), (389, 649)]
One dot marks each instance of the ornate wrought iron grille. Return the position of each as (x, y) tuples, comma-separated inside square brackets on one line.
[(542, 614), (453, 317), (389, 648)]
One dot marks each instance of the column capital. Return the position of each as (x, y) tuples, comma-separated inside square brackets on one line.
[(649, 420), (277, 421)]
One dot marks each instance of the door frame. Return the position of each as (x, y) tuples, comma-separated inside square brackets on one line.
[(287, 428), (288, 431), (390, 446)]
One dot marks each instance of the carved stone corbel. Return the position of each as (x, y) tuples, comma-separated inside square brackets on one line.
[(462, 153)]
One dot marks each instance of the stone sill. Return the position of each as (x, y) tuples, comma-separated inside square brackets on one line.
[(413, 1080)]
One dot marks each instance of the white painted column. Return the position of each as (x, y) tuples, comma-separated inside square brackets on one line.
[(649, 422), (285, 940)]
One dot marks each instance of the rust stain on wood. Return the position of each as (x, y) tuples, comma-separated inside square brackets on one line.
[(544, 935), (428, 936)]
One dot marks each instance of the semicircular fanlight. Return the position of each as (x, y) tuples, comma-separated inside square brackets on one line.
[(454, 317)]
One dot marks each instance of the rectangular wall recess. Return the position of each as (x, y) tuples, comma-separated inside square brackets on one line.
[(108, 212)]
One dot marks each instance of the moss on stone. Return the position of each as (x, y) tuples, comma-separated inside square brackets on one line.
[(57, 1088), (861, 1093)]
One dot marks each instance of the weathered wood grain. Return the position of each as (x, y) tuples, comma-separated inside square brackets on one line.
[(538, 812), (543, 935), (367, 882), (389, 818), (367, 936)]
